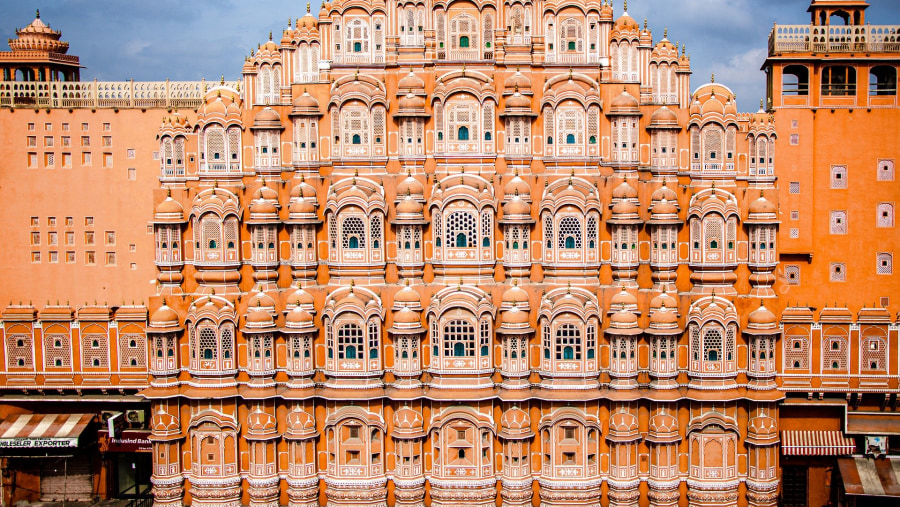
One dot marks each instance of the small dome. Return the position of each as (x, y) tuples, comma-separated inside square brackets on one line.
[(261, 207), (300, 298), (409, 206), (267, 118), (517, 186), (305, 104), (260, 299), (517, 81), (624, 208), (308, 21), (298, 318), (516, 206), (623, 319), (625, 103), (408, 419), (623, 298), (410, 82), (763, 206), (217, 106), (623, 422), (663, 318), (407, 316), (664, 207), (259, 318), (410, 186), (407, 296), (730, 107), (762, 427), (664, 117), (713, 106), (515, 420), (411, 101), (695, 106), (762, 318), (514, 316), (164, 423), (164, 317), (261, 422), (515, 295), (664, 193), (625, 23), (170, 207), (624, 191), (300, 424), (518, 101), (304, 190), (662, 300), (663, 427), (302, 206)]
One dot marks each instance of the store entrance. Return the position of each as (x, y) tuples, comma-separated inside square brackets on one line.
[(133, 470)]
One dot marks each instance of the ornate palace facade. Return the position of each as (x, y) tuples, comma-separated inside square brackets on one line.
[(464, 254)]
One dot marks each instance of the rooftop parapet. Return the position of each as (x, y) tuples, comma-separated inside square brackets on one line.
[(834, 39), (106, 94)]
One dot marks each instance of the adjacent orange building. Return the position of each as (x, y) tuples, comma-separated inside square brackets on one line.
[(458, 254)]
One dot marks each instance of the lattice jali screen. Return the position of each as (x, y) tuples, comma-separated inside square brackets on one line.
[(873, 353), (19, 351), (461, 228), (569, 232), (132, 351), (834, 353), (459, 339), (94, 351), (57, 351), (796, 352)]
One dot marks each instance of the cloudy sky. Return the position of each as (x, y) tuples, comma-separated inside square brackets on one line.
[(190, 39)]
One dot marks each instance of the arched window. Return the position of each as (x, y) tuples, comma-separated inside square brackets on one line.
[(570, 138), (795, 80), (462, 134), (464, 41), (353, 232), (568, 342), (461, 229), (883, 80), (356, 139), (569, 232)]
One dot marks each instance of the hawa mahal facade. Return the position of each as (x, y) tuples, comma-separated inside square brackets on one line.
[(455, 254)]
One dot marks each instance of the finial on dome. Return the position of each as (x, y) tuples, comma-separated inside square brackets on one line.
[(307, 7), (712, 78), (356, 75), (682, 50), (222, 80), (645, 24), (666, 33), (515, 282), (568, 287), (625, 8), (37, 13), (270, 35), (168, 192), (351, 286), (407, 282)]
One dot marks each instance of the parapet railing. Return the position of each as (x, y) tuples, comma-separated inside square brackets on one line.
[(106, 94), (834, 39)]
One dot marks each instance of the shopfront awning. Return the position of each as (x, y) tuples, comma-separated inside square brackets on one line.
[(867, 423), (42, 431), (870, 477), (816, 443)]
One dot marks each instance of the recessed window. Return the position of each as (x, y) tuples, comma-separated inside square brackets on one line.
[(792, 274), (886, 170), (794, 187), (838, 272), (838, 176)]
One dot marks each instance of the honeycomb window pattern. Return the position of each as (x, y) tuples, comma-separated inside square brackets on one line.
[(94, 351)]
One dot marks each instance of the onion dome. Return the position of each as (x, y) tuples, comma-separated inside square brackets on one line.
[(216, 106), (264, 206), (626, 23), (730, 107), (302, 207), (258, 319), (267, 119), (623, 322), (163, 319), (407, 312), (623, 299), (410, 186), (761, 321), (623, 427), (406, 316), (302, 299), (38, 36), (663, 210), (713, 106), (762, 430), (515, 424), (664, 118), (304, 190), (411, 82), (663, 428), (514, 318), (164, 424), (624, 210), (517, 186), (169, 211), (261, 425), (695, 106), (514, 296), (408, 423), (300, 425), (663, 321), (305, 105), (625, 104), (299, 320)]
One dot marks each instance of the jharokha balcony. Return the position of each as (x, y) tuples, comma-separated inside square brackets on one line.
[(834, 39)]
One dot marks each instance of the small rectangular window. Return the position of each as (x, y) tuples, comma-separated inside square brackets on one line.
[(31, 126), (132, 174), (106, 127), (52, 238), (32, 160), (107, 141), (67, 160), (795, 139), (794, 187), (107, 160), (838, 272), (49, 160), (795, 215), (85, 141), (66, 141), (85, 127), (48, 127), (886, 170), (48, 141), (35, 239), (792, 274), (90, 258), (54, 257), (86, 158), (129, 153), (31, 141), (51, 221), (110, 238), (35, 221), (70, 257), (839, 176), (88, 237), (88, 221), (36, 257), (884, 214), (65, 127), (110, 258), (885, 263), (70, 238), (70, 222)]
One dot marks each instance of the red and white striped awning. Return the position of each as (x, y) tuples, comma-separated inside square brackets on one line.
[(26, 431), (816, 443), (870, 477)]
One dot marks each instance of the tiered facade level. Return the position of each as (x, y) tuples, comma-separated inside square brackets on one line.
[(473, 254)]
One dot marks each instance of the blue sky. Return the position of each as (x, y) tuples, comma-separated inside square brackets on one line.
[(190, 39)]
